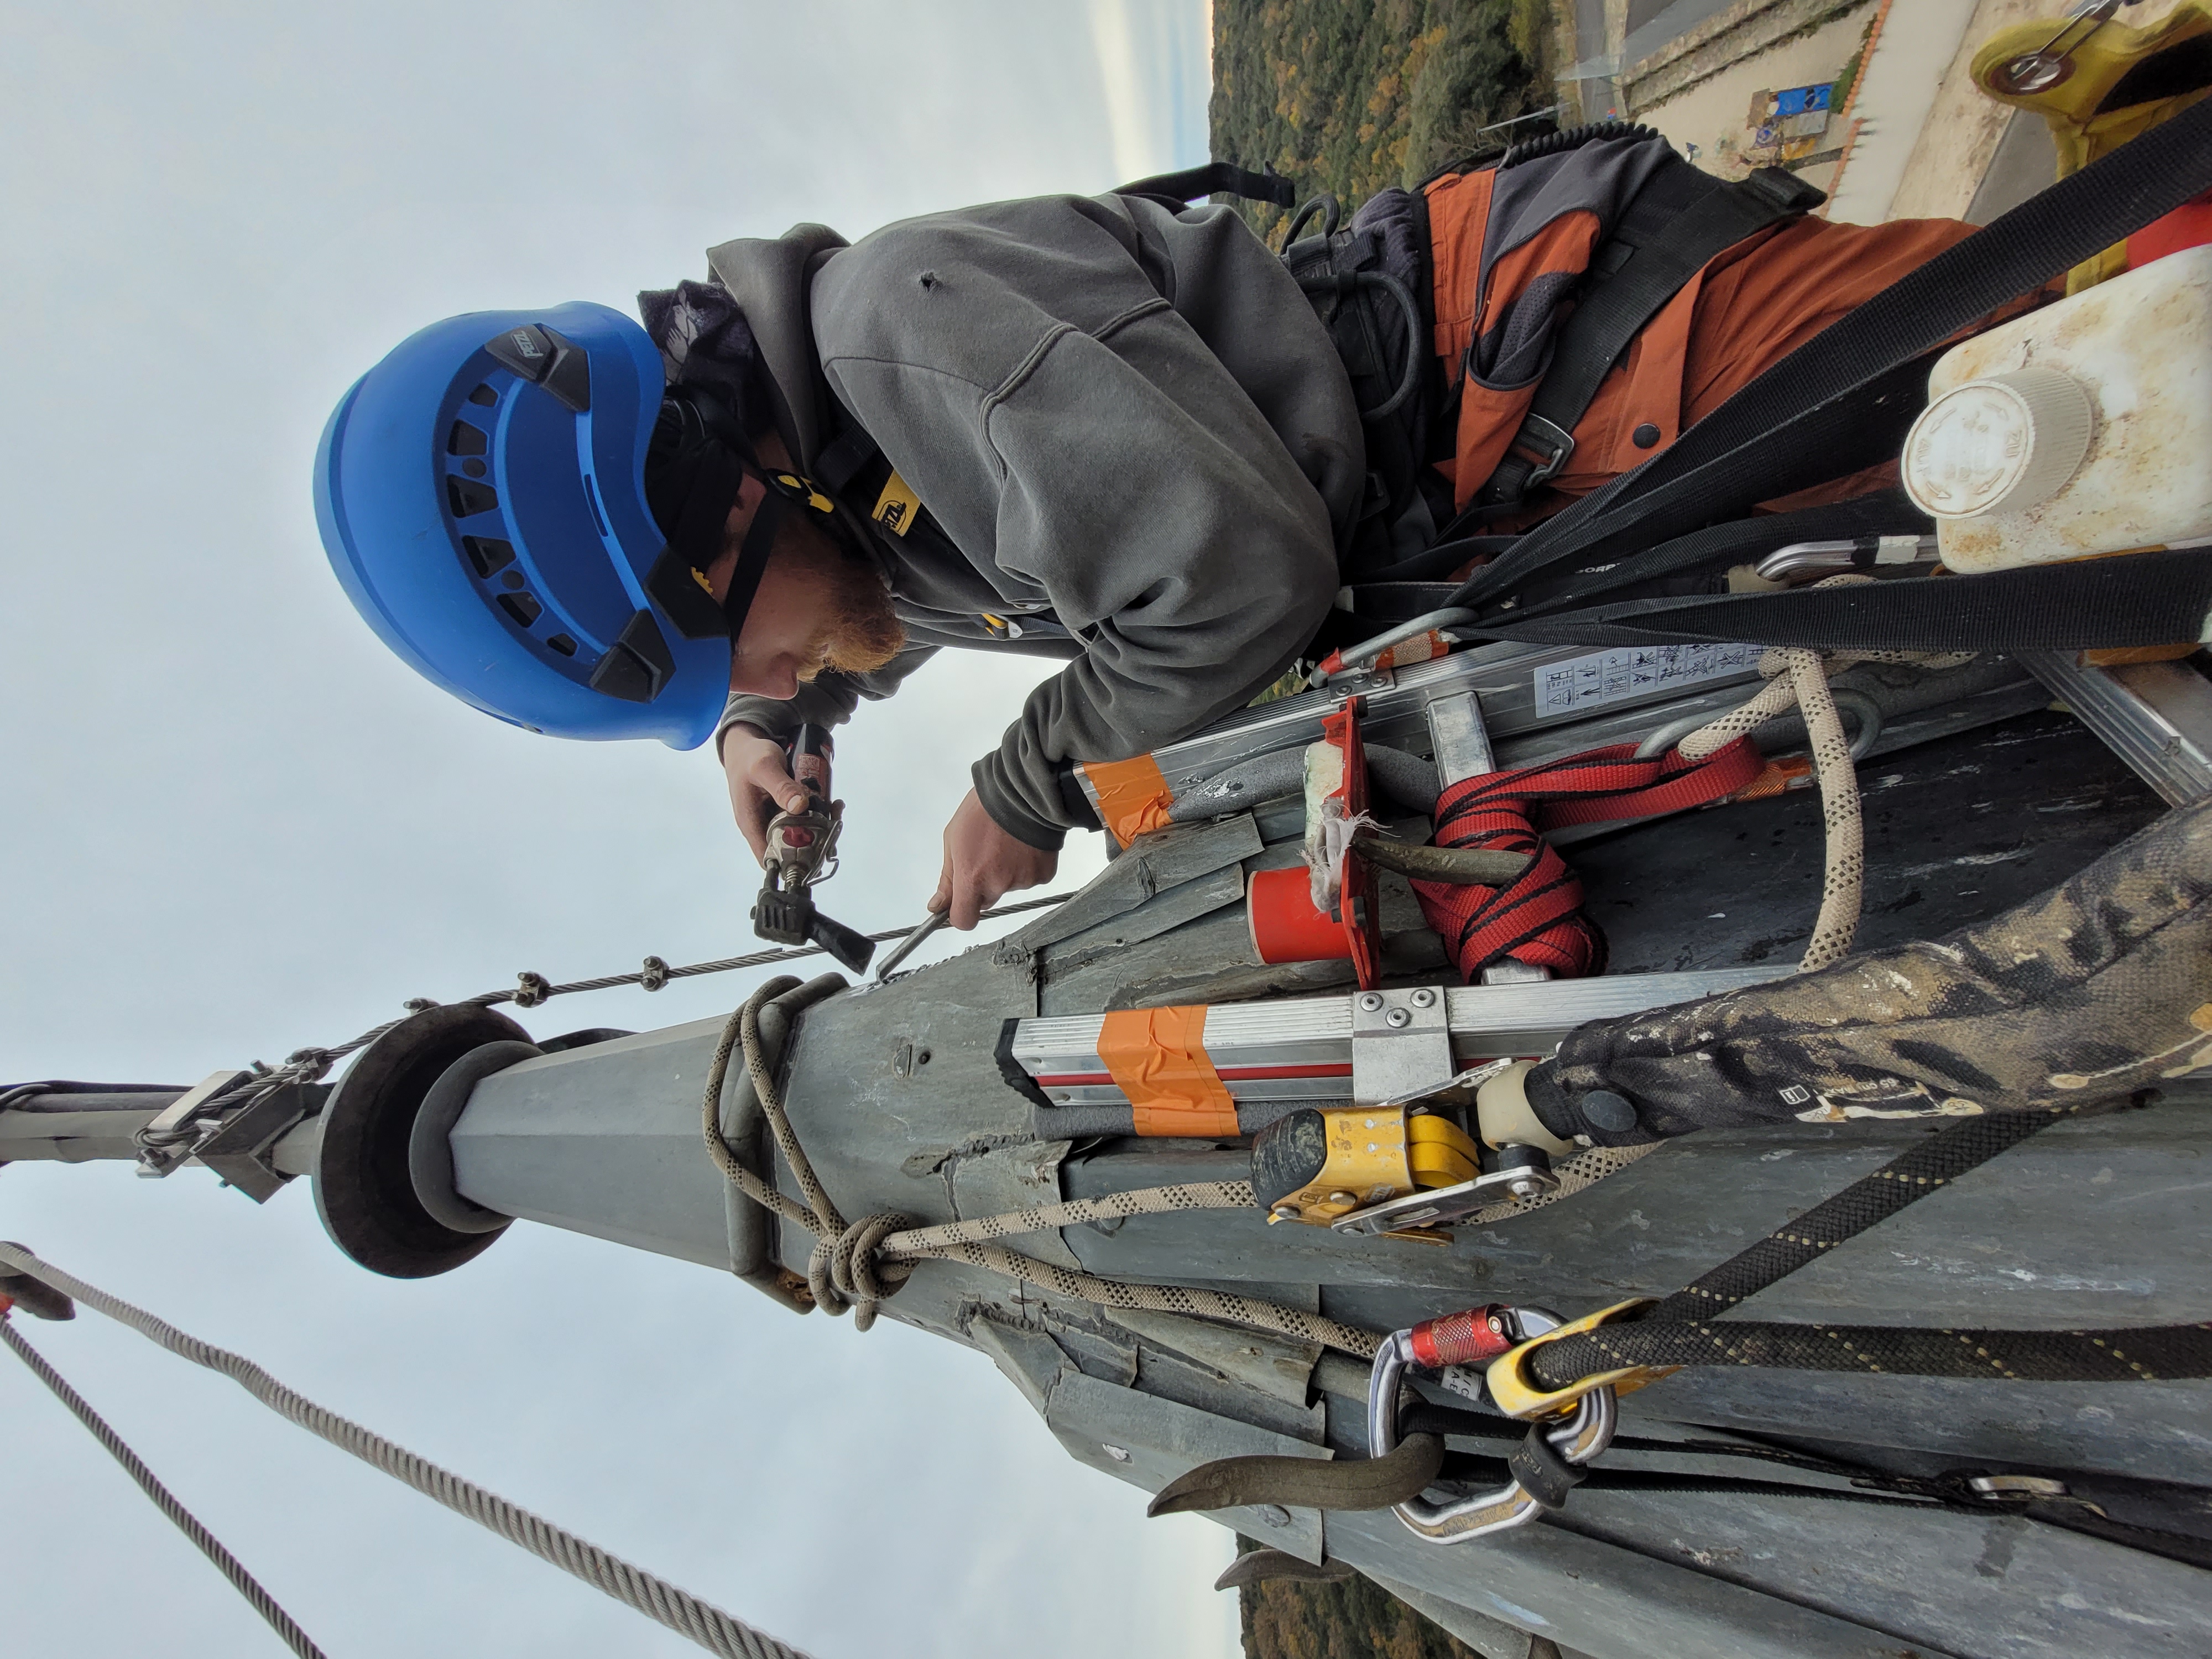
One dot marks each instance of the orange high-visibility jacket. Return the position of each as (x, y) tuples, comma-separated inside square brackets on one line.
[(1509, 250)]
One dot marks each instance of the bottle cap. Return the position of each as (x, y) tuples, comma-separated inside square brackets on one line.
[(1998, 445)]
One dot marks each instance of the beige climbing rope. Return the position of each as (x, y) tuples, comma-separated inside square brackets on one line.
[(1798, 679), (858, 1265)]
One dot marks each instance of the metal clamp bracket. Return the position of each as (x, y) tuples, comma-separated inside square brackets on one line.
[(1401, 1045), (168, 1141)]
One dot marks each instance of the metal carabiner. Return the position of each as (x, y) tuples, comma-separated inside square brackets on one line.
[(1579, 1438)]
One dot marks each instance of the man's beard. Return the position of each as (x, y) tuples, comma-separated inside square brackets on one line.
[(859, 631)]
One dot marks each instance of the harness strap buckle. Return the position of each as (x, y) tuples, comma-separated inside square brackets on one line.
[(1516, 1397), (1551, 443)]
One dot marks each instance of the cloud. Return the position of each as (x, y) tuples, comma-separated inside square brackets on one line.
[(236, 825), (1153, 67)]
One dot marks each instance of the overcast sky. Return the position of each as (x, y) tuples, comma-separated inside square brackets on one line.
[(234, 825)]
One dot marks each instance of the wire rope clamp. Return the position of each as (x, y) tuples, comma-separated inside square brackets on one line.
[(1512, 1392)]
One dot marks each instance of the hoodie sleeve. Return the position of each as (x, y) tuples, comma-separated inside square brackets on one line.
[(1067, 423), (829, 701)]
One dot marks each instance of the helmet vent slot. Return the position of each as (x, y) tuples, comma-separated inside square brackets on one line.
[(487, 555), (524, 608), (483, 397), (467, 439), (562, 643), (468, 497)]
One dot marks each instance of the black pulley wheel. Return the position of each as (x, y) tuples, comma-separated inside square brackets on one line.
[(363, 1190)]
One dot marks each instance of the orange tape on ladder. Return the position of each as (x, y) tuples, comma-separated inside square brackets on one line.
[(1158, 1056), (1133, 796)]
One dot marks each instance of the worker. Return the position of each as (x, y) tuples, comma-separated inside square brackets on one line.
[(1118, 431)]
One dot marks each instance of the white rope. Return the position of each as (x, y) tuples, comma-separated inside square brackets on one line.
[(1798, 679), (858, 1265), (680, 1611)]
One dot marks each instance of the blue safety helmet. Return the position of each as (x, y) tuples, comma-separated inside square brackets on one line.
[(524, 510)]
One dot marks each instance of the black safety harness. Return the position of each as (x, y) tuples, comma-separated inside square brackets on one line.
[(1837, 404), (1677, 223), (696, 469)]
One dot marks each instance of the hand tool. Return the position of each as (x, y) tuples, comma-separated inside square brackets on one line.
[(802, 850)]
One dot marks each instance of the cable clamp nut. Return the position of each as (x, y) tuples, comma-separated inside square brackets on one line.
[(1516, 1397)]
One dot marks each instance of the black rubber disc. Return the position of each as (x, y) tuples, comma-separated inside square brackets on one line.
[(362, 1188)]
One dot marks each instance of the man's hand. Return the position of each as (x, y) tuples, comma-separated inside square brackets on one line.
[(983, 863), (761, 784)]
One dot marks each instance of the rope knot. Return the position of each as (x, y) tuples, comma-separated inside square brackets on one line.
[(844, 1272)]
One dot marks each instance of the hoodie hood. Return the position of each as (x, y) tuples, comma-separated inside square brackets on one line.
[(769, 280)]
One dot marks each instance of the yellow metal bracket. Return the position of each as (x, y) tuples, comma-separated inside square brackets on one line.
[(1515, 1395), (1377, 1153)]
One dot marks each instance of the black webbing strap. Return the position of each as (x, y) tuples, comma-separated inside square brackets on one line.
[(1948, 1490), (2137, 599), (2139, 1354), (1685, 1329), (842, 458), (1715, 550), (1799, 420), (1678, 221), (1868, 1202), (1215, 178)]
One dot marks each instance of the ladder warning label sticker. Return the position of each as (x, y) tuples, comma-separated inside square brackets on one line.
[(1626, 671)]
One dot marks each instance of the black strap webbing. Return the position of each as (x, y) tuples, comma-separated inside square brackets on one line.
[(1911, 1175), (1685, 1329), (1221, 178), (1677, 222), (1801, 414), (1888, 512), (2138, 599), (842, 460)]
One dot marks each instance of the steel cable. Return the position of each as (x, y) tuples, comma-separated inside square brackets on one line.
[(164, 1500), (311, 1064), (688, 1616)]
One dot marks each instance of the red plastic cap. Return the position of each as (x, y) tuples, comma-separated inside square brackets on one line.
[(1285, 926)]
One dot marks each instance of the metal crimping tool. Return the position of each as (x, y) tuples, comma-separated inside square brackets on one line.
[(802, 850)]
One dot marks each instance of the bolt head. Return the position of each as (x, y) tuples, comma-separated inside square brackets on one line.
[(1284, 1212), (1342, 1198), (1525, 1186), (1604, 1109), (1370, 1001), (1397, 1017), (1423, 997)]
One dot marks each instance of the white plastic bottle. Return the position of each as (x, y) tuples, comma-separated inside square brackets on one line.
[(2082, 428)]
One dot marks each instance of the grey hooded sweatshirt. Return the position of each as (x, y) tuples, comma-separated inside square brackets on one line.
[(1140, 446)]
